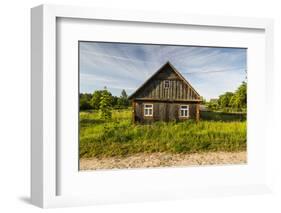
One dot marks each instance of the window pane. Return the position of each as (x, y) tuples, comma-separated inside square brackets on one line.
[(167, 84), (145, 111), (150, 111), (184, 107)]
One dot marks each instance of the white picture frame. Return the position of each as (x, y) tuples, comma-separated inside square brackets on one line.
[(45, 168)]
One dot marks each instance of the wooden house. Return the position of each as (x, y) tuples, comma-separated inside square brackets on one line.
[(165, 96)]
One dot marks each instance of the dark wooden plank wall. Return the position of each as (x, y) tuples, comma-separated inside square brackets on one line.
[(163, 111), (176, 91)]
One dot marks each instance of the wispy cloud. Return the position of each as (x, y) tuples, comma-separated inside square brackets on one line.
[(126, 66)]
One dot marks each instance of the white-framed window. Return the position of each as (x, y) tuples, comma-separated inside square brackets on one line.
[(184, 111), (166, 84), (148, 110)]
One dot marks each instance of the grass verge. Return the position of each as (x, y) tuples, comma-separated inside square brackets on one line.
[(119, 137)]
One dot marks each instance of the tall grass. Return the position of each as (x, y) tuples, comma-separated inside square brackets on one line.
[(119, 137)]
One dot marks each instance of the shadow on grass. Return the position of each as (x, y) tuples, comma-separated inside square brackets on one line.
[(91, 121), (222, 116)]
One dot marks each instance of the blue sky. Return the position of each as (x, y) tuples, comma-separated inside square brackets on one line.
[(211, 71)]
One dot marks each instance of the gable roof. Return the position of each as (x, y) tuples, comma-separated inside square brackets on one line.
[(158, 71)]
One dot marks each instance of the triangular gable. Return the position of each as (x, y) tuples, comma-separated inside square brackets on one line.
[(157, 72)]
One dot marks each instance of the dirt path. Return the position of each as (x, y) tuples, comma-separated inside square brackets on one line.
[(164, 160)]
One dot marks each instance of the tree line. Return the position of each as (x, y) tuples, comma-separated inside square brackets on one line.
[(103, 101), (230, 101)]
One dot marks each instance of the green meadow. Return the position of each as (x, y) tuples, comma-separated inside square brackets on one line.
[(117, 136)]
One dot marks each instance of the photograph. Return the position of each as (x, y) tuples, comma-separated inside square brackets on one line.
[(161, 105)]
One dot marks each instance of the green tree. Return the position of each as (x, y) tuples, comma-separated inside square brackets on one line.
[(239, 100), (123, 99), (224, 100), (241, 95), (115, 101), (84, 101), (213, 104), (105, 105), (96, 98), (236, 101), (124, 94), (233, 102)]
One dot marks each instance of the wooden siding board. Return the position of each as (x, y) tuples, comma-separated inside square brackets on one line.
[(178, 90), (179, 86), (167, 71), (181, 90), (156, 111), (133, 111), (137, 111), (177, 111), (172, 112), (164, 111), (155, 89), (192, 110), (172, 89), (169, 91), (152, 90), (184, 91), (197, 112), (161, 90), (166, 101)]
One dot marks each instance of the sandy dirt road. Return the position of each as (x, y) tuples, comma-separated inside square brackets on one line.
[(145, 160)]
